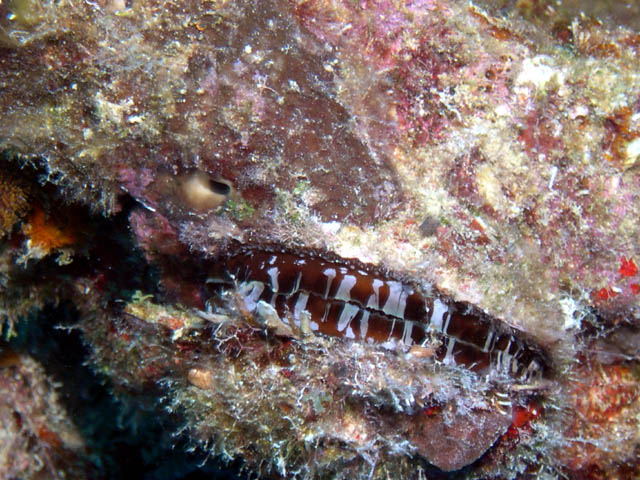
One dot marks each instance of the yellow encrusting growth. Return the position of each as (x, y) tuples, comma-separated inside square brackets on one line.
[(46, 234), (13, 203)]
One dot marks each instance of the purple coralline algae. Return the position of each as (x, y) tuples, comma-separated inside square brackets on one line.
[(465, 173)]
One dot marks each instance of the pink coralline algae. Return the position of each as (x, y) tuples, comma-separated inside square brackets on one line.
[(438, 207)]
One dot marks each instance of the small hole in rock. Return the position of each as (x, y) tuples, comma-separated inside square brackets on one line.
[(220, 187)]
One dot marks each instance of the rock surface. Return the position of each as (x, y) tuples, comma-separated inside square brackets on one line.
[(490, 149)]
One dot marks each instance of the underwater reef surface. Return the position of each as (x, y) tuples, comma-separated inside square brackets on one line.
[(319, 239)]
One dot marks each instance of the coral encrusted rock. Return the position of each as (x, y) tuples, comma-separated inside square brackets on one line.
[(472, 168)]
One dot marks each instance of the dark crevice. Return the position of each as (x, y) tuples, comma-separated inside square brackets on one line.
[(127, 436)]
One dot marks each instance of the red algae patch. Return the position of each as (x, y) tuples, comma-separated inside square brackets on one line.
[(605, 427)]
